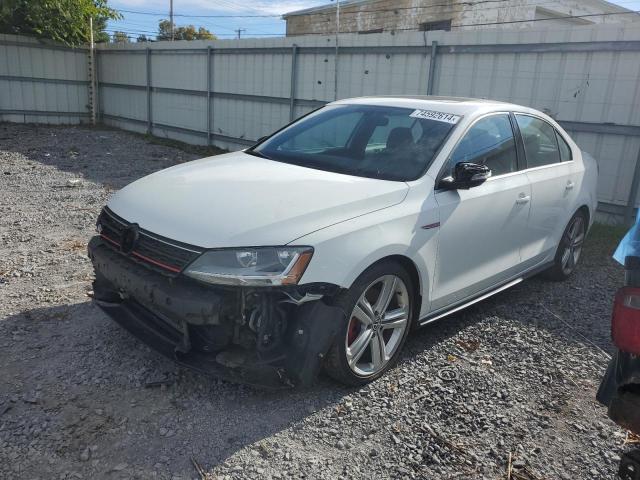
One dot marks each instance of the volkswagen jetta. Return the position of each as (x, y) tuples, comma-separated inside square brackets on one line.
[(323, 245)]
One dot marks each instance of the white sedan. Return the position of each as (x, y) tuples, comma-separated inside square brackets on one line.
[(322, 245)]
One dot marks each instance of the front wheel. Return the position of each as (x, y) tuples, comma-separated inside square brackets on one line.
[(379, 307), (570, 248)]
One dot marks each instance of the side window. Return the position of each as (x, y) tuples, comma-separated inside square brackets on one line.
[(489, 142), (540, 143), (565, 149)]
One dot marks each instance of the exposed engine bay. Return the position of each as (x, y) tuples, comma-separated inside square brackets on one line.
[(266, 336)]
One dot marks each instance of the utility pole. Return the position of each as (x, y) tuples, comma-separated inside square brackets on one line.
[(239, 31), (171, 17)]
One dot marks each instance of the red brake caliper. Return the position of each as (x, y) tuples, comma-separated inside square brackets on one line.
[(354, 329)]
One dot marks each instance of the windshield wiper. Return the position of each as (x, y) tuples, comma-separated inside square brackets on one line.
[(256, 154)]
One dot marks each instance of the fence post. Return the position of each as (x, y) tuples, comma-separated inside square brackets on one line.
[(209, 96), (335, 73), (294, 76), (633, 194), (432, 67), (149, 119), (92, 74), (96, 92)]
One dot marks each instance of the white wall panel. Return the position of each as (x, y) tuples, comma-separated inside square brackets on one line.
[(179, 110), (35, 79), (124, 68), (179, 70), (124, 103)]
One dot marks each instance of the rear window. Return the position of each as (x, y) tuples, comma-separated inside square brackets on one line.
[(372, 141), (540, 143), (565, 149)]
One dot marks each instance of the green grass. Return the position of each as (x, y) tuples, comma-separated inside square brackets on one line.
[(601, 232), (603, 239)]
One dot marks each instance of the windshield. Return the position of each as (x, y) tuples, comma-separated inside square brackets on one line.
[(387, 143)]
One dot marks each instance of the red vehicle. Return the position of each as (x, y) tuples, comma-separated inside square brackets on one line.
[(620, 388)]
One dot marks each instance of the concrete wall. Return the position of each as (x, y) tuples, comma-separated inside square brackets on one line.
[(42, 82), (402, 15)]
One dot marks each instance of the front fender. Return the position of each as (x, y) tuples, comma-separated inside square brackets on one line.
[(344, 251)]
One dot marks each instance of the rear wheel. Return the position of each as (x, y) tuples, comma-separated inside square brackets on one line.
[(570, 248), (380, 307)]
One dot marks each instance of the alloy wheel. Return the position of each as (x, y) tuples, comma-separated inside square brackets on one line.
[(377, 325), (574, 238)]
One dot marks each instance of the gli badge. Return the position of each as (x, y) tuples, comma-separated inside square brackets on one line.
[(129, 238)]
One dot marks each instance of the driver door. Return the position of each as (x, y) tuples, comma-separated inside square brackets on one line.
[(482, 228)]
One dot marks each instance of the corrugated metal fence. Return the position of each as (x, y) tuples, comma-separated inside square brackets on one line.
[(229, 93), (42, 82)]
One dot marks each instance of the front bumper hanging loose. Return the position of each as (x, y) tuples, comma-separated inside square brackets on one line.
[(258, 336)]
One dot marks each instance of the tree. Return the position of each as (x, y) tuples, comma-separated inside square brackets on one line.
[(142, 38), (65, 21), (204, 34), (120, 37), (188, 32)]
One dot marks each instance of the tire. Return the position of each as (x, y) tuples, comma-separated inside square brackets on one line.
[(570, 248), (357, 357)]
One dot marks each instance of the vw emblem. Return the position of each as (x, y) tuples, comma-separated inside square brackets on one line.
[(129, 238)]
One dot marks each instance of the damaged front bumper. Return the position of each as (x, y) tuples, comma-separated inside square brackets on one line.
[(269, 337)]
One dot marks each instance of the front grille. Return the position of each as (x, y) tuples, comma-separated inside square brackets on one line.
[(156, 252)]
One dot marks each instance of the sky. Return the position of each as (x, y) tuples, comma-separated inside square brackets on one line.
[(256, 18)]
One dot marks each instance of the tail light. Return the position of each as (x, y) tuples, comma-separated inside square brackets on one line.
[(625, 323)]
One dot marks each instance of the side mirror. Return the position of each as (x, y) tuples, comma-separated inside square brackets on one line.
[(465, 176)]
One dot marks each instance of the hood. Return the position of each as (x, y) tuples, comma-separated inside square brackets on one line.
[(237, 199)]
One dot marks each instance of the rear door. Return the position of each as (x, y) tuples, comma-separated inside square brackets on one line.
[(553, 186), (483, 228)]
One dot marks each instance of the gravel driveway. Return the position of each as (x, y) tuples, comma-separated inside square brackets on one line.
[(80, 398)]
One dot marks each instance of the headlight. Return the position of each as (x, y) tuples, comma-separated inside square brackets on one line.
[(262, 266)]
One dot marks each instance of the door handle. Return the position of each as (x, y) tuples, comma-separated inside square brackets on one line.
[(523, 199), (570, 185)]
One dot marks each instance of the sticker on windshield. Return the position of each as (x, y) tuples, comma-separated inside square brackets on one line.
[(438, 116)]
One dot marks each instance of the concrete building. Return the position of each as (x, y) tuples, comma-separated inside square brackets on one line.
[(375, 16)]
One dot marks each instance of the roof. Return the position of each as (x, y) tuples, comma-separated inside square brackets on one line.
[(612, 6), (347, 3), (454, 105), (321, 8)]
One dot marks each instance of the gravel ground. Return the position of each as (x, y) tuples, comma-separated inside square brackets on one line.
[(507, 376)]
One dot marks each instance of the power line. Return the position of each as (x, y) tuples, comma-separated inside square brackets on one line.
[(330, 10), (329, 7), (456, 9), (563, 17), (129, 23), (145, 32), (535, 20), (200, 16), (462, 25)]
